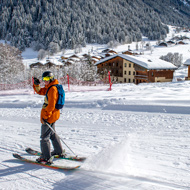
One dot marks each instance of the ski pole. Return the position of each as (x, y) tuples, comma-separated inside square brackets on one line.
[(59, 136)]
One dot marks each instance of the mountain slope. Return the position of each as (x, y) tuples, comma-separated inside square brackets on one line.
[(37, 23), (173, 12)]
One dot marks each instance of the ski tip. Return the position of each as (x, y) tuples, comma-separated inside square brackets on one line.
[(72, 168), (77, 167), (81, 159), (16, 155), (28, 149), (77, 158)]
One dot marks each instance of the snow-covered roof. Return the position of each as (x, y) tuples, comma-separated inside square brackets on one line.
[(95, 59), (187, 62), (74, 58), (54, 61), (146, 62)]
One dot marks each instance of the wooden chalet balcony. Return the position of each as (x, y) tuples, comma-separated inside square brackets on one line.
[(145, 77)]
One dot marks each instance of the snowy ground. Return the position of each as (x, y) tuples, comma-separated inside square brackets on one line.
[(134, 138)]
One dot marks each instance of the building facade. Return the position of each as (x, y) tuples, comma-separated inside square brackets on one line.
[(131, 69), (187, 63)]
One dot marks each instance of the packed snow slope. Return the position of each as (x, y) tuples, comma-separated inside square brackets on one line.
[(135, 137)]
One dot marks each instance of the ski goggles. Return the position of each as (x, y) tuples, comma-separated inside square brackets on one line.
[(47, 78)]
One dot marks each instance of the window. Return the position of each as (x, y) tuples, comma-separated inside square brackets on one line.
[(125, 64), (117, 64), (125, 80), (133, 72), (129, 80), (125, 72), (129, 64), (129, 72)]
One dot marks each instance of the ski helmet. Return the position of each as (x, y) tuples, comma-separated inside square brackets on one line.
[(47, 76)]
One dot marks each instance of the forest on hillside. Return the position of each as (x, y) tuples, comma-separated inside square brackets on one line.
[(37, 23), (49, 26)]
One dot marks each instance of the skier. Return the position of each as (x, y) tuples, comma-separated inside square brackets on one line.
[(49, 114)]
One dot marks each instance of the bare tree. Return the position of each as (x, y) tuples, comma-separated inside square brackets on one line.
[(175, 58), (41, 54), (11, 66)]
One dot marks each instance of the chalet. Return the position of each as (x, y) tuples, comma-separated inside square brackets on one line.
[(63, 57), (185, 38), (130, 52), (85, 55), (170, 42), (181, 43), (112, 51), (105, 50), (176, 38), (74, 59), (96, 57), (94, 60), (73, 56), (47, 64), (69, 62), (108, 54), (130, 69), (187, 63), (186, 30), (163, 44), (36, 65)]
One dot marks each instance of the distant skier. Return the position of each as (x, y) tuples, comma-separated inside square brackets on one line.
[(49, 114)]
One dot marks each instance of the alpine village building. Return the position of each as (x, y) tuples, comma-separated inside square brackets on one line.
[(131, 69), (187, 63)]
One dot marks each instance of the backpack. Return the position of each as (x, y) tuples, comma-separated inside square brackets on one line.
[(61, 98)]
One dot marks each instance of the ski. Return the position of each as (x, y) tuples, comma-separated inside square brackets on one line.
[(66, 157), (53, 166)]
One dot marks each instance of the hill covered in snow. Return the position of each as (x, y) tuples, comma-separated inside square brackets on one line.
[(75, 23)]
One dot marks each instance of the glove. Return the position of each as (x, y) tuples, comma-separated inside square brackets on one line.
[(36, 81)]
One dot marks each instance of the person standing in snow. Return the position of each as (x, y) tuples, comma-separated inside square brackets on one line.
[(49, 114)]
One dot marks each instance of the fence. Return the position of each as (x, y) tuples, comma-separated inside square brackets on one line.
[(20, 85), (69, 83)]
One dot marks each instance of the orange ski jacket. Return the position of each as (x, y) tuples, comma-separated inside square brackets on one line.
[(49, 112)]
